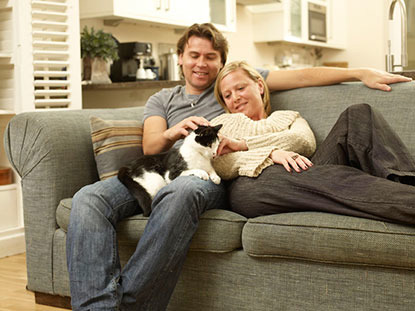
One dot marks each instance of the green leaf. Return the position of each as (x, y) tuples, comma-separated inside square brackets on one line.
[(98, 44)]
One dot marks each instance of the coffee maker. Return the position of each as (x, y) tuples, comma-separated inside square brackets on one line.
[(132, 56)]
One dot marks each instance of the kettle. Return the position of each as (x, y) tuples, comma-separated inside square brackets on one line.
[(169, 67)]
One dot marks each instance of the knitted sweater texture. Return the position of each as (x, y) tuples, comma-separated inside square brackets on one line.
[(283, 129)]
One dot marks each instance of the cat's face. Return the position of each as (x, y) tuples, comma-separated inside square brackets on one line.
[(207, 136)]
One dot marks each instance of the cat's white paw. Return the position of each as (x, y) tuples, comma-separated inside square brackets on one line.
[(215, 178), (196, 172)]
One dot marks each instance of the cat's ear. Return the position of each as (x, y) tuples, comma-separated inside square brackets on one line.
[(217, 127)]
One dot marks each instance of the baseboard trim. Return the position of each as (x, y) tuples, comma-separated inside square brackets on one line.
[(12, 242), (53, 300)]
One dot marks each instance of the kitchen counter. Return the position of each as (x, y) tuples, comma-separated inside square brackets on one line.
[(145, 84), (122, 94)]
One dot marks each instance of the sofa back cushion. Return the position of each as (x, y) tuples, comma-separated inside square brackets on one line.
[(321, 106)]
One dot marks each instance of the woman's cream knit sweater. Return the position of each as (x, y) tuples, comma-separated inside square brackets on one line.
[(284, 129)]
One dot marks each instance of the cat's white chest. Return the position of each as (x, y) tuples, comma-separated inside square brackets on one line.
[(199, 160), (197, 156)]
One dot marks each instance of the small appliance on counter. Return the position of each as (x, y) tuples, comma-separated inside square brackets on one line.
[(135, 63), (169, 67)]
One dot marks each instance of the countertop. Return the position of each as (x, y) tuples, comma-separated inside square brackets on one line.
[(147, 84)]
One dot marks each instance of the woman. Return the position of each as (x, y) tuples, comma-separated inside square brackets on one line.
[(342, 177)]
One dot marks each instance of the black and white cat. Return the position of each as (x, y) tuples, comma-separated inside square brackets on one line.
[(149, 173)]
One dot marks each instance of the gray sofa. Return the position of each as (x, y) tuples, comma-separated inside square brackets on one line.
[(293, 261)]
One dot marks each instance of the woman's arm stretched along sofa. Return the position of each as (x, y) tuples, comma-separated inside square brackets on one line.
[(292, 261)]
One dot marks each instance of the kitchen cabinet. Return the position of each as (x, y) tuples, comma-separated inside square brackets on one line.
[(181, 13), (287, 21), (170, 13), (223, 14)]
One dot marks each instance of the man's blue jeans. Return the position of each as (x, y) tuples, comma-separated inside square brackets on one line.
[(148, 279)]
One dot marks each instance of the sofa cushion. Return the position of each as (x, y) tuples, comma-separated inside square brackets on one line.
[(324, 237), (219, 231), (116, 143)]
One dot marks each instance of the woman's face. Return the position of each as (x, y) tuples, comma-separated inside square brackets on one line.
[(241, 94)]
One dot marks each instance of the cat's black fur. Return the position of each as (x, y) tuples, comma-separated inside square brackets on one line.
[(149, 173)]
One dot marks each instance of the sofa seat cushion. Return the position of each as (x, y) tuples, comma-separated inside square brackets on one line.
[(324, 237), (219, 231)]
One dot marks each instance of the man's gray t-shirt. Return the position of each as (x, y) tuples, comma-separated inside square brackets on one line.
[(174, 105)]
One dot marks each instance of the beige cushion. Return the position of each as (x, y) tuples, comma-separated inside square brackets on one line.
[(116, 143)]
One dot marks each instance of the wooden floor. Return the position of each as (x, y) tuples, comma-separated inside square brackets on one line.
[(13, 293)]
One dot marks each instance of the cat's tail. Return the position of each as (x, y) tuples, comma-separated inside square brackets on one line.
[(138, 191)]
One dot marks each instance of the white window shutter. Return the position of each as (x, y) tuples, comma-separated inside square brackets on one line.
[(6, 53), (55, 45)]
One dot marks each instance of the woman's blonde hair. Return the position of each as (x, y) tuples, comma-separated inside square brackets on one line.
[(251, 73)]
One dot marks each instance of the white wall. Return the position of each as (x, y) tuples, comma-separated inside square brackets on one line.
[(367, 35), (242, 46)]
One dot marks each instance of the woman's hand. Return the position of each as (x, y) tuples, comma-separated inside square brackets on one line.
[(228, 145), (378, 79), (181, 129), (291, 160)]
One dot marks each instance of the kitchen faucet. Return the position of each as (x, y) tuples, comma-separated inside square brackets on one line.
[(390, 66)]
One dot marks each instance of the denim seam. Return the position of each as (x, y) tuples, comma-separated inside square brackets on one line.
[(114, 252)]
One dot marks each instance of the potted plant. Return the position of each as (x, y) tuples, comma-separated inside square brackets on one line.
[(97, 47)]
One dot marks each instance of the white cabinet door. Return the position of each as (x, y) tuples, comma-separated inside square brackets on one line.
[(185, 11), (287, 21), (180, 13), (223, 14)]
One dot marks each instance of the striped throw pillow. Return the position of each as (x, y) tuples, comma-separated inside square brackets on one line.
[(116, 143)]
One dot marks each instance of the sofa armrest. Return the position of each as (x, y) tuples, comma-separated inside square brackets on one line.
[(52, 152)]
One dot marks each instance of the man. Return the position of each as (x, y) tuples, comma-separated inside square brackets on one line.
[(149, 277)]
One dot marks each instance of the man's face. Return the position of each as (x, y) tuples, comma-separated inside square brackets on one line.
[(200, 64)]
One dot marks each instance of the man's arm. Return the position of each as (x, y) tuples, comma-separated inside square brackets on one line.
[(316, 76), (158, 138)]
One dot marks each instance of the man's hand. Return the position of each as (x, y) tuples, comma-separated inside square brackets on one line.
[(291, 160), (228, 145), (378, 79), (181, 129), (158, 138)]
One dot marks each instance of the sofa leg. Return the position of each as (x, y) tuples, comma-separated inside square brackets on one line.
[(53, 300)]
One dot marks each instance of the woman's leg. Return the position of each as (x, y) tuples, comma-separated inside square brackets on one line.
[(325, 188), (362, 138)]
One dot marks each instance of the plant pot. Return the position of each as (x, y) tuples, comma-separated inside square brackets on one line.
[(86, 68), (95, 70)]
